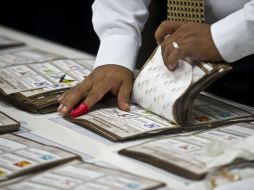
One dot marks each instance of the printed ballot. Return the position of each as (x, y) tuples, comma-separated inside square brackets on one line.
[(166, 102), (79, 175), (196, 155), (33, 79), (19, 156)]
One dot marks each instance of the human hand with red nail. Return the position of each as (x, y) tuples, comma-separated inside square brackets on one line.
[(180, 40), (107, 78)]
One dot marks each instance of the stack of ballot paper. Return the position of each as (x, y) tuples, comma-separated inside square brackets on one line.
[(78, 175), (33, 79), (166, 101), (25, 164), (8, 124), (21, 156), (195, 156), (117, 125), (6, 42)]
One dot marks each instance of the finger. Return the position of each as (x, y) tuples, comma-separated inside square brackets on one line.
[(178, 53), (74, 96), (61, 98), (168, 41), (172, 59), (166, 53), (60, 108), (166, 49), (165, 28), (95, 95), (167, 46), (123, 96)]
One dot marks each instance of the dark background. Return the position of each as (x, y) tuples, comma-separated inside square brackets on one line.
[(70, 22), (66, 22)]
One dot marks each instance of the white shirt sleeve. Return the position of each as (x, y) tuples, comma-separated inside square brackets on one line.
[(234, 35), (119, 24)]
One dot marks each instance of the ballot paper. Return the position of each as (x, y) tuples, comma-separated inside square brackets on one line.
[(78, 175), (36, 86), (117, 125), (19, 156), (64, 73), (194, 156), (166, 101), (24, 55)]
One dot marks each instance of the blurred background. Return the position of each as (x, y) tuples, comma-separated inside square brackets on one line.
[(70, 22)]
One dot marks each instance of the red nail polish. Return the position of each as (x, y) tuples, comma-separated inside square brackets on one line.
[(80, 110)]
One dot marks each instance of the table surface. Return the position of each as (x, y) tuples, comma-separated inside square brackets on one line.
[(92, 147)]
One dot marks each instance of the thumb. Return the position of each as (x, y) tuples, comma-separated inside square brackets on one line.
[(123, 96)]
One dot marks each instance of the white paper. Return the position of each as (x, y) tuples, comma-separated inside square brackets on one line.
[(156, 88)]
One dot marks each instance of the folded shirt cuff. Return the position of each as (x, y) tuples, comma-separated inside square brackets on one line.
[(118, 50), (233, 36)]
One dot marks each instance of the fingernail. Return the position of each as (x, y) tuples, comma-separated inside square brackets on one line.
[(172, 67), (80, 110), (126, 107), (59, 109), (65, 109)]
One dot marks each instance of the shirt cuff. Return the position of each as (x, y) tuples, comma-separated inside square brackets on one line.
[(118, 50), (233, 36)]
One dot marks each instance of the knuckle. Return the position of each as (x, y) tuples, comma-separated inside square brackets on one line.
[(71, 97), (164, 23), (88, 79), (64, 100), (70, 103), (79, 88), (63, 96), (184, 27)]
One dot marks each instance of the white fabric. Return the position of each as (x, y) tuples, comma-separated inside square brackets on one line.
[(234, 35), (119, 24)]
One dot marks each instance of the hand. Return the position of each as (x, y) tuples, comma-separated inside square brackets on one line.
[(194, 40), (107, 78)]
